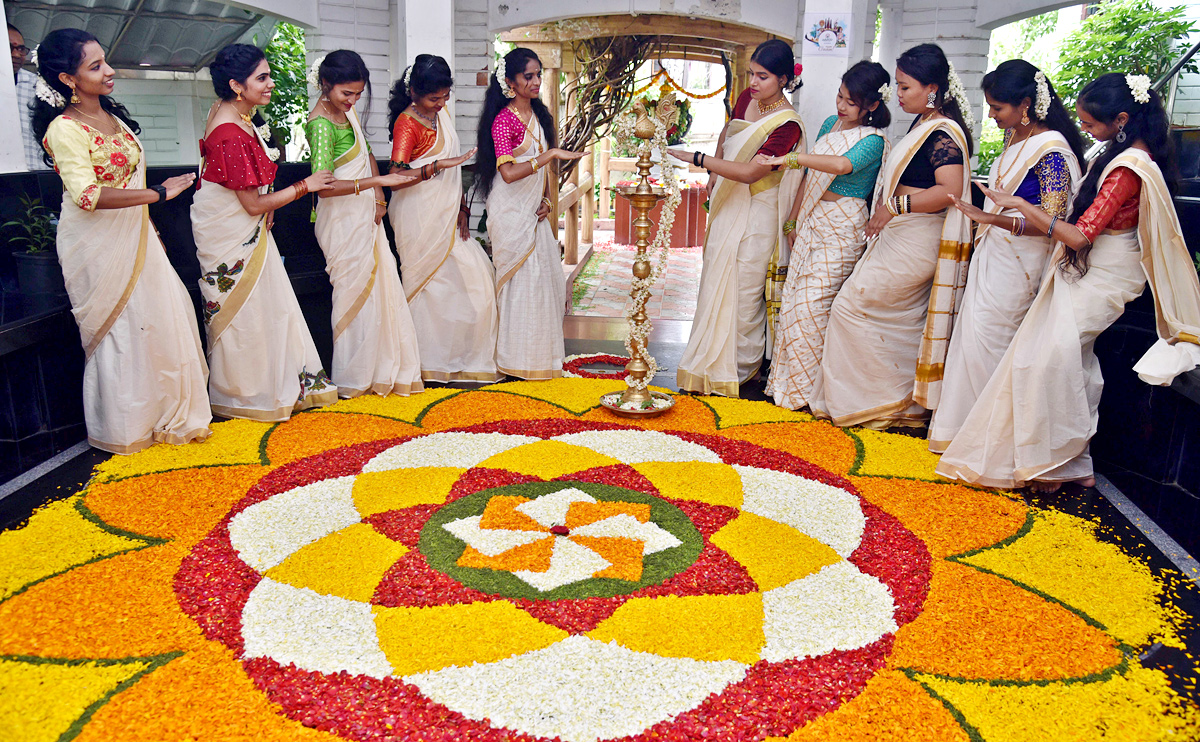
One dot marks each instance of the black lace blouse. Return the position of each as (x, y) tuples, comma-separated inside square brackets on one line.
[(938, 150)]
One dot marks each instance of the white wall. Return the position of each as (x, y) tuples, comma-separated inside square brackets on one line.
[(12, 148), (1186, 111), (365, 27)]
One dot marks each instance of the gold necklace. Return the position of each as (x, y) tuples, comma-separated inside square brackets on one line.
[(332, 113), (762, 110), (111, 119), (1017, 158)]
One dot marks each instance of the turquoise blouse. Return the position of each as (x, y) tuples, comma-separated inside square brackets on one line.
[(866, 157)]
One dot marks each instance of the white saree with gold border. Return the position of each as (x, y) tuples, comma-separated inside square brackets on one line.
[(829, 242), (889, 326), (531, 291), (144, 375), (1006, 271), (449, 282), (262, 362), (745, 231), (374, 342), (1039, 410)]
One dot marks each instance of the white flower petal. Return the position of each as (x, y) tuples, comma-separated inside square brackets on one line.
[(829, 514), (636, 446), (322, 633), (653, 537), (446, 449), (836, 608), (268, 532), (569, 562), (551, 509), (579, 689), (488, 541)]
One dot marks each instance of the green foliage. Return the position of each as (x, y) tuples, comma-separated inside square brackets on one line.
[(1014, 41), (1130, 36), (289, 101), (37, 229), (991, 144)]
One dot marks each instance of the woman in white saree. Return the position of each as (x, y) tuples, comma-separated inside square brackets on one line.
[(450, 284), (144, 375), (826, 226), (890, 324), (374, 342), (1040, 163), (1034, 419), (730, 333), (517, 142), (262, 361)]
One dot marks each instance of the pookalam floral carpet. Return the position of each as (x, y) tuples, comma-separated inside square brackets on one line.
[(516, 563)]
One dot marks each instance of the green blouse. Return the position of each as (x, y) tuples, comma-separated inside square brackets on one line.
[(328, 141), (866, 157)]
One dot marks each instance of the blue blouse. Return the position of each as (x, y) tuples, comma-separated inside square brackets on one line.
[(866, 157)]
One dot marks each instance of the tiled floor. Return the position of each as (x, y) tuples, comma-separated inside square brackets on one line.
[(602, 288)]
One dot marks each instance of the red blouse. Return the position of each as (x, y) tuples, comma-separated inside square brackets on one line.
[(1116, 204), (781, 141), (410, 139), (234, 158)]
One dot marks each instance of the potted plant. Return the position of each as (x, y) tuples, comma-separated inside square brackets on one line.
[(38, 271)]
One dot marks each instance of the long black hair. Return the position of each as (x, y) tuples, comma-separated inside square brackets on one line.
[(776, 57), (428, 74), (1104, 99), (927, 64), (1014, 81), (236, 62), (864, 81), (494, 102), (341, 67), (62, 52)]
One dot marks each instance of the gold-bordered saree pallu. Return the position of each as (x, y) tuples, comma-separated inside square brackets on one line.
[(745, 232), (531, 295), (144, 376), (1035, 417), (1006, 271), (889, 327), (262, 362), (449, 281), (374, 342), (829, 242)]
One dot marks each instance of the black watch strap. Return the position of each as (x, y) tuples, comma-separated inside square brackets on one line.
[(161, 190)]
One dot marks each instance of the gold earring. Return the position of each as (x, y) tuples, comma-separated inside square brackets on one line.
[(74, 97), (1025, 117), (239, 96)]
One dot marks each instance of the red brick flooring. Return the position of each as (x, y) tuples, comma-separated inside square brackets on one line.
[(602, 288)]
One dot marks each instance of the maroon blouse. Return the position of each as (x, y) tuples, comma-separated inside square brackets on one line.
[(234, 158), (781, 141)]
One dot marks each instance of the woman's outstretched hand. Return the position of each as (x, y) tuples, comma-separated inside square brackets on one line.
[(178, 184), (970, 210)]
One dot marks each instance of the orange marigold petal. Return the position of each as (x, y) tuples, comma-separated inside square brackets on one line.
[(625, 555), (949, 518), (307, 435), (469, 407), (977, 625), (688, 414), (501, 514), (583, 513), (891, 707), (170, 504), (532, 557), (819, 442)]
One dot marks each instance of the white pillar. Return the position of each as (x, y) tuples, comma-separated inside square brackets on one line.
[(823, 74), (12, 148), (428, 29)]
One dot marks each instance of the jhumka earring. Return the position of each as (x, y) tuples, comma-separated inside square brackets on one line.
[(74, 97), (1025, 117), (931, 101)]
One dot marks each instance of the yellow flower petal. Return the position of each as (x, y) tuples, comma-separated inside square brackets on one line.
[(702, 627), (425, 639), (548, 459), (349, 563), (891, 455), (232, 442), (380, 491), (733, 412), (774, 554), (716, 484)]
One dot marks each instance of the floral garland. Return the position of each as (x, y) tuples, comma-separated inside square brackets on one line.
[(573, 366), (293, 580), (659, 248)]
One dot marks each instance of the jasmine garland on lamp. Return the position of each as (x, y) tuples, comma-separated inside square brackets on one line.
[(1034, 418), (890, 323), (263, 362), (1040, 163), (144, 375), (729, 334), (826, 223), (517, 141), (374, 342)]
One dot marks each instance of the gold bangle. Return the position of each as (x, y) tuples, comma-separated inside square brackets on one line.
[(546, 200), (381, 203), (789, 226), (356, 189)]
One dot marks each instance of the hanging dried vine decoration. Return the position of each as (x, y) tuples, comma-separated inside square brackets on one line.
[(607, 70)]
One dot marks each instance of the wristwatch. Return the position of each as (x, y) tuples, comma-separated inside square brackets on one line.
[(161, 190)]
